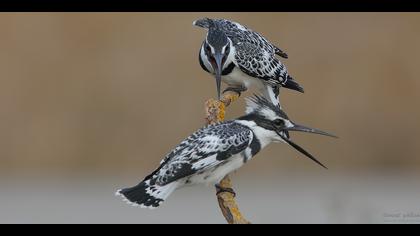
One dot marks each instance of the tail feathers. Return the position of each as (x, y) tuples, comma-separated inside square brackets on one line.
[(290, 83), (146, 195)]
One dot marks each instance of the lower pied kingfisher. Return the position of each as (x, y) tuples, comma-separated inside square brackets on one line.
[(242, 58), (214, 151)]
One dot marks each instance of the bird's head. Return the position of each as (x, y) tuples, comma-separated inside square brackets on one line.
[(276, 122), (217, 47)]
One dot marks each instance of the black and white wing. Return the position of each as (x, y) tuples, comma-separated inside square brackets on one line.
[(255, 55), (240, 33), (260, 64), (203, 150)]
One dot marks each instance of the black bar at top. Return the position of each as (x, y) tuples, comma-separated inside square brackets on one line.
[(210, 5)]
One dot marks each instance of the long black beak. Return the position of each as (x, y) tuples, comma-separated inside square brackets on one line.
[(218, 58), (302, 128), (304, 152)]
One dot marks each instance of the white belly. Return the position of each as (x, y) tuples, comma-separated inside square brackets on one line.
[(216, 174), (237, 77)]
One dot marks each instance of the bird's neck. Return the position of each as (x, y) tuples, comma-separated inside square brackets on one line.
[(263, 135)]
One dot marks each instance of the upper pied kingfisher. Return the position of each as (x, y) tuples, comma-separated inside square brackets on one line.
[(242, 58), (214, 151)]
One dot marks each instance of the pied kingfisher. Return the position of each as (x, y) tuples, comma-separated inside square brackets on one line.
[(214, 151), (243, 58)]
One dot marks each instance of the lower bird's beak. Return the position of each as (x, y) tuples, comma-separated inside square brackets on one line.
[(305, 129), (218, 70)]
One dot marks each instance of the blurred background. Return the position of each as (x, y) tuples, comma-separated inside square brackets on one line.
[(91, 102)]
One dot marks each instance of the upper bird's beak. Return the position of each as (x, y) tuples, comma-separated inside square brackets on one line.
[(301, 128), (218, 58), (305, 129)]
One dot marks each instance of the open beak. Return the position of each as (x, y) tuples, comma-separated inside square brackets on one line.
[(302, 128), (218, 69)]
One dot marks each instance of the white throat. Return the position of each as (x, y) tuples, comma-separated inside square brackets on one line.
[(263, 135)]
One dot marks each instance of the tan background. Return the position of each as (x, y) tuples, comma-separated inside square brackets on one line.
[(107, 95)]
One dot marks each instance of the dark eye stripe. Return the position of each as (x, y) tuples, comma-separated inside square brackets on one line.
[(279, 122)]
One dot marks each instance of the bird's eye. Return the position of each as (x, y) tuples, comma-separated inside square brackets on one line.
[(278, 122), (208, 48)]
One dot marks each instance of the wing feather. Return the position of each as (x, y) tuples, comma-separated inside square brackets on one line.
[(255, 55), (203, 150)]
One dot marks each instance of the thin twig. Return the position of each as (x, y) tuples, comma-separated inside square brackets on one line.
[(215, 112)]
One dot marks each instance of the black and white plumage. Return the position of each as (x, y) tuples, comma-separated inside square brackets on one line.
[(242, 58), (214, 151)]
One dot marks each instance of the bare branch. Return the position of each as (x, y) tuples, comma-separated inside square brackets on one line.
[(215, 112)]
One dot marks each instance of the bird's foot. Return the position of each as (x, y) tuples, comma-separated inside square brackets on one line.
[(239, 90), (220, 189)]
